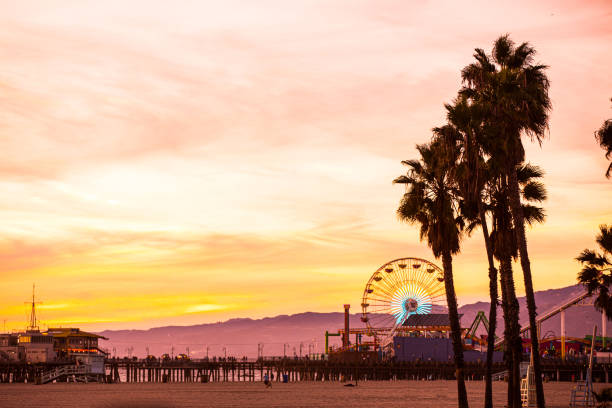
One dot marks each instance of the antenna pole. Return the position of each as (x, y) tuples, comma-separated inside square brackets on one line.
[(33, 321)]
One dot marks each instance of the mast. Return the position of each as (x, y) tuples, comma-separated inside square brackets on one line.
[(33, 321)]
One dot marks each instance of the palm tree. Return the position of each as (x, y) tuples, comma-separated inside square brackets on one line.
[(505, 245), (431, 200), (514, 93), (604, 137), (596, 274), (462, 130)]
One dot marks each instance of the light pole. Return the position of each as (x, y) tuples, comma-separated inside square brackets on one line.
[(260, 347)]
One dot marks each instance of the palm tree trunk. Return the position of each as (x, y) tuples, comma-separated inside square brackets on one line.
[(519, 223), (507, 335), (492, 309), (512, 334), (453, 317)]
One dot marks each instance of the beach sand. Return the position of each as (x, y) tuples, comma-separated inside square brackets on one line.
[(426, 394)]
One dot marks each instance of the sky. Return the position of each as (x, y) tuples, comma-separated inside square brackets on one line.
[(183, 162)]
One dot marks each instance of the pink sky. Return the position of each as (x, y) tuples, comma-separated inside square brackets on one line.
[(188, 161)]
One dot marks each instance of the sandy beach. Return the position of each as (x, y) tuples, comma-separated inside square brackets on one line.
[(305, 394)]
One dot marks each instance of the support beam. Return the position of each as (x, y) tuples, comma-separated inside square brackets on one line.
[(326, 342), (346, 340), (562, 335)]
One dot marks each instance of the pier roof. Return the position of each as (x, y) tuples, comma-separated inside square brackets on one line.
[(72, 332), (428, 320)]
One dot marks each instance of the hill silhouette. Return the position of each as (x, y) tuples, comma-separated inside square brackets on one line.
[(283, 334)]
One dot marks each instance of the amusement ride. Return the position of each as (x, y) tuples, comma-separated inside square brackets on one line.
[(399, 289)]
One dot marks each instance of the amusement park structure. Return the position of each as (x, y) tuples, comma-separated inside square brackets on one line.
[(403, 299), (396, 291), (399, 289), (75, 350), (400, 300), (584, 299)]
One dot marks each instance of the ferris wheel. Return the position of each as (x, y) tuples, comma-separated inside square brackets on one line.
[(398, 289)]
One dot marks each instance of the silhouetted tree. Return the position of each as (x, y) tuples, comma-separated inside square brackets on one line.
[(596, 274), (431, 200), (513, 93), (471, 173)]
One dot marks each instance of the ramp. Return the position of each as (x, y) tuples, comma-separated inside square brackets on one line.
[(62, 372)]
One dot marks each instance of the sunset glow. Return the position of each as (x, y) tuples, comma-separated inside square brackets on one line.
[(189, 162)]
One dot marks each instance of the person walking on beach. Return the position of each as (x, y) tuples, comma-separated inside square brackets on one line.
[(267, 381)]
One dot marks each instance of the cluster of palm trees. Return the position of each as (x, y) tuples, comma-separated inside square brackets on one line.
[(473, 173)]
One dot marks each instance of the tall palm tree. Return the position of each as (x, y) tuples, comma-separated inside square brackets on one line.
[(504, 249), (514, 92), (431, 200), (596, 274), (462, 130), (505, 244), (603, 135)]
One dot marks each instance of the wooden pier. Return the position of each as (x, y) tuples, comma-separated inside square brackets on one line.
[(291, 370)]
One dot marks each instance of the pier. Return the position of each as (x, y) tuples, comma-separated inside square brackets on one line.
[(278, 370)]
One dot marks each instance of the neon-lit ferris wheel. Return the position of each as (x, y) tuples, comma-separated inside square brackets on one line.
[(398, 289)]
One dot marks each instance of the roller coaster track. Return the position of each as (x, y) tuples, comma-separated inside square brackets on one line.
[(553, 312)]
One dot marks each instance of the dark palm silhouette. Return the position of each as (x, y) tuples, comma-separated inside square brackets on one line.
[(471, 173), (513, 93), (431, 201), (505, 248), (596, 273)]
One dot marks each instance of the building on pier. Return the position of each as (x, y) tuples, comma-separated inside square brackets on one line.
[(426, 337), (55, 344), (75, 344), (37, 347), (432, 325), (9, 347)]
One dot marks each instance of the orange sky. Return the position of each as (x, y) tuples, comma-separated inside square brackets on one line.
[(185, 162)]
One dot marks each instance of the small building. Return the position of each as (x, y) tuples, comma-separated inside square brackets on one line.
[(75, 344), (426, 337), (37, 346), (436, 325), (9, 347)]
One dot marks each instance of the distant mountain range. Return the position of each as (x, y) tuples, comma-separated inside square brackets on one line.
[(282, 335)]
